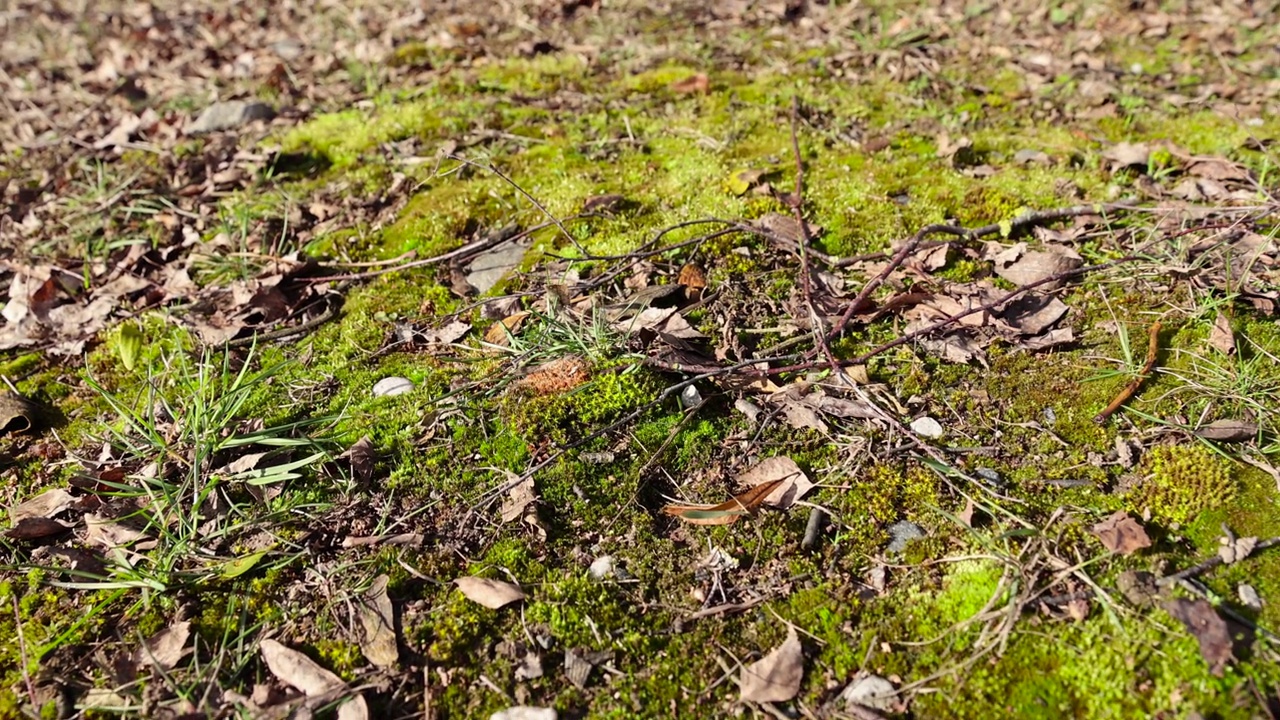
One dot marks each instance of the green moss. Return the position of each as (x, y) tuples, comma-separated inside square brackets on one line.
[(1183, 481)]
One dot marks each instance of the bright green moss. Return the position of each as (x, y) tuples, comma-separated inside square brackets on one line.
[(1183, 481)]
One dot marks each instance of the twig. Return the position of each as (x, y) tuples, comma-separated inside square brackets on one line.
[(22, 652), (1153, 346), (471, 248), (1008, 227), (796, 201), (951, 319), (1210, 564)]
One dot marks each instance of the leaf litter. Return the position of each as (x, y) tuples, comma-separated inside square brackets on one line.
[(51, 307)]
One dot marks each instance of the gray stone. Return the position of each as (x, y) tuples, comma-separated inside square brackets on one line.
[(903, 532), (228, 115)]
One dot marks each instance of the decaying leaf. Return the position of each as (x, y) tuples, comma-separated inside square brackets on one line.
[(775, 677), (698, 83), (1221, 338), (726, 512), (45, 505), (362, 457), (166, 648), (377, 620), (1228, 431), (1021, 266), (1209, 629), (492, 594), (17, 414), (34, 528), (450, 333), (1123, 155), (521, 495), (1121, 534), (791, 482)]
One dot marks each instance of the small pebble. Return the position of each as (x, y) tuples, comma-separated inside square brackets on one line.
[(689, 397), (927, 427), (903, 532), (601, 567), (1249, 597), (389, 386), (871, 691)]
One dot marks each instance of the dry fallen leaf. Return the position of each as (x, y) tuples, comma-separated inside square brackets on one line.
[(726, 512), (1021, 266), (1209, 629), (492, 594), (699, 83), (45, 505), (792, 483), (517, 499), (1228, 431), (1121, 534), (165, 649), (1221, 338), (377, 619), (297, 670), (775, 677), (362, 456)]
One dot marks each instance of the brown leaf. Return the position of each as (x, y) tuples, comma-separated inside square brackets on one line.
[(726, 512), (1228, 431), (1208, 628), (775, 677), (377, 620), (699, 83), (1123, 155), (448, 334), (792, 483), (17, 414), (1221, 338), (492, 594), (1023, 267), (166, 648), (45, 505), (1122, 534), (362, 457), (33, 528), (297, 670), (518, 498)]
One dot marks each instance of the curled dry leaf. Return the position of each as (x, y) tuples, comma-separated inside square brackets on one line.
[(775, 677), (1121, 534), (1221, 338), (1228, 431), (726, 512), (45, 505), (362, 456), (792, 483), (492, 594), (165, 649)]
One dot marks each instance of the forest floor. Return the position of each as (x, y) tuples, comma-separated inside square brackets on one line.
[(586, 359)]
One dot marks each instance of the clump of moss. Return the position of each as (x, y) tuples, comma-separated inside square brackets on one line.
[(1182, 482)]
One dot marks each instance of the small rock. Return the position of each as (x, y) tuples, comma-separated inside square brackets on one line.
[(601, 567), (1249, 597), (230, 114), (903, 532), (927, 427), (991, 476), (1050, 416), (389, 386), (690, 397), (525, 712), (870, 691), (1031, 157)]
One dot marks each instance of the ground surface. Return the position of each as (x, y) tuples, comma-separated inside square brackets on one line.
[(664, 452)]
